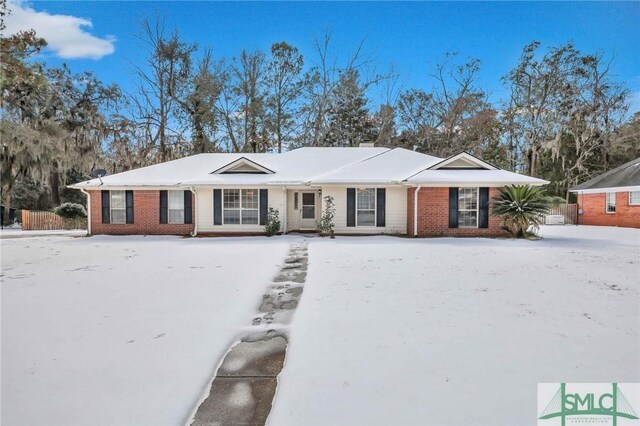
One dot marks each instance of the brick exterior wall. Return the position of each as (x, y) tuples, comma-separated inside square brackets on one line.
[(593, 211), (433, 216), (146, 215)]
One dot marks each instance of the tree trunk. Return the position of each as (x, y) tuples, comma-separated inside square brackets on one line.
[(6, 203), (54, 183), (200, 144)]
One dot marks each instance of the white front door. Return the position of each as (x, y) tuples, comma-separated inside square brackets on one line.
[(308, 210)]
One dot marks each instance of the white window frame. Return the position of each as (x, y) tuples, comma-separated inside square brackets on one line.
[(169, 207), (631, 203), (123, 209), (608, 203), (477, 209), (375, 206), (241, 208)]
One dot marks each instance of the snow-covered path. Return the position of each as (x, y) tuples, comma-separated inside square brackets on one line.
[(123, 330), (459, 331)]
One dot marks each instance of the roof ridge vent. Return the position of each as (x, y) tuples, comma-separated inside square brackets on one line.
[(366, 145)]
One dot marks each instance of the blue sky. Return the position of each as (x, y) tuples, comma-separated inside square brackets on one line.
[(413, 36)]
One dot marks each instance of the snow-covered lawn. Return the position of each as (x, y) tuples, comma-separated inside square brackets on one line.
[(459, 331), (129, 330), (122, 330)]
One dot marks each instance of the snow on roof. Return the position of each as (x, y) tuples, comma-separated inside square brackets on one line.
[(171, 172), (307, 165), (391, 166), (625, 175), (463, 160), (297, 166), (462, 177)]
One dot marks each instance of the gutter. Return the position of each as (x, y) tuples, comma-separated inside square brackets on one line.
[(195, 210), (286, 207), (88, 209), (415, 211)]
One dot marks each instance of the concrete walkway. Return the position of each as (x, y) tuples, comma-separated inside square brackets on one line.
[(242, 390)]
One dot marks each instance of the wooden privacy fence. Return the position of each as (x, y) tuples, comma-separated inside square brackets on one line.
[(45, 221), (569, 211)]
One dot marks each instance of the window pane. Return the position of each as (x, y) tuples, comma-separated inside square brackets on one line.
[(611, 202), (249, 217), (468, 198), (308, 212), (249, 198), (366, 207), (117, 200), (231, 217), (176, 200), (467, 219), (231, 198), (634, 197), (366, 217), (468, 207), (308, 199), (118, 216), (295, 201), (176, 216), (366, 199)]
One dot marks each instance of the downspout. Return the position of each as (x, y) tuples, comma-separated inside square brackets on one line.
[(415, 211), (88, 209), (284, 214), (195, 211)]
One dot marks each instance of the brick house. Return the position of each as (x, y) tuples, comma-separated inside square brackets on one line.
[(612, 198), (375, 191)]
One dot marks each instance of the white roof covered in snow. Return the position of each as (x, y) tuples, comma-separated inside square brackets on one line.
[(306, 166), (393, 165), (478, 177)]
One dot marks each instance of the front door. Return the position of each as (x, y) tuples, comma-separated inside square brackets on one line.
[(308, 211)]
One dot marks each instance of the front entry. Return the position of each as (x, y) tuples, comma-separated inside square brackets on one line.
[(308, 210)]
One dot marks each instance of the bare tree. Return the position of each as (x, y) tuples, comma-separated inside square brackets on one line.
[(198, 100), (593, 106), (168, 68), (450, 117), (326, 81), (284, 78), (536, 87)]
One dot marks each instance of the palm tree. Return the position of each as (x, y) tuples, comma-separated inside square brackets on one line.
[(521, 207)]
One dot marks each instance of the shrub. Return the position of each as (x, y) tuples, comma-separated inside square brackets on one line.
[(324, 226), (521, 207), (70, 211), (272, 227)]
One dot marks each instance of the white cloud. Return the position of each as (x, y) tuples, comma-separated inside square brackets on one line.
[(67, 36)]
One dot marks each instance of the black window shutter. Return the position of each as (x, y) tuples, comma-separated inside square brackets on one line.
[(187, 207), (380, 207), (453, 207), (129, 204), (264, 206), (483, 205), (106, 211), (217, 206), (351, 207), (164, 206)]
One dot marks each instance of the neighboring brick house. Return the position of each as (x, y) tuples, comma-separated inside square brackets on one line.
[(612, 198), (375, 191)]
